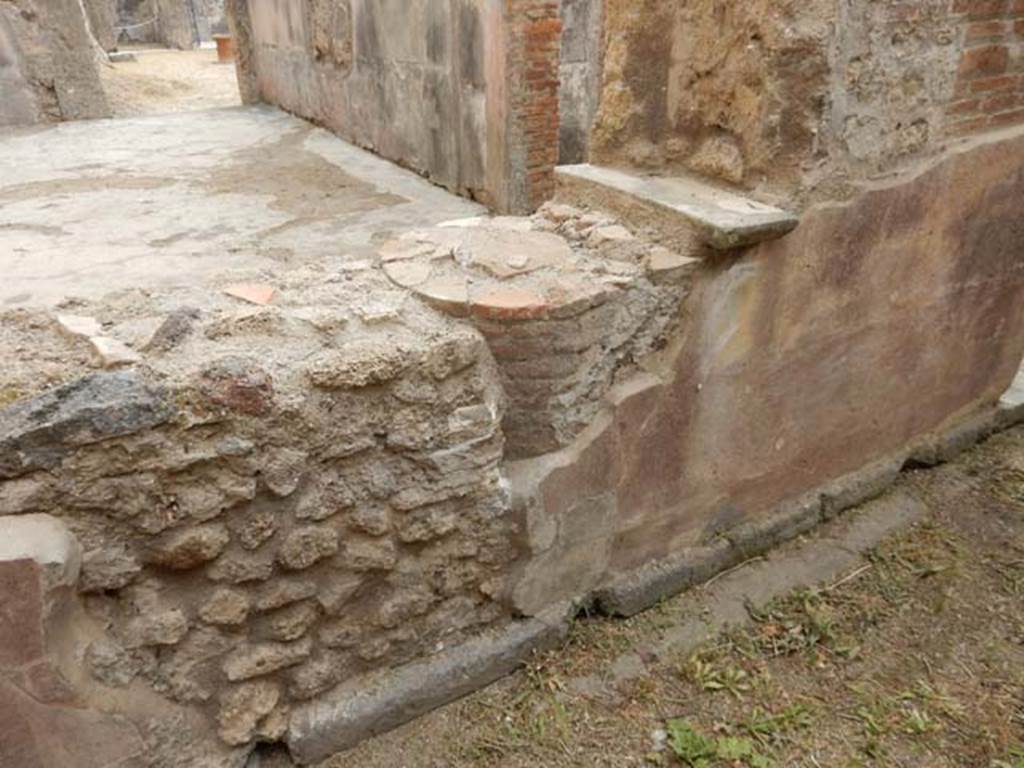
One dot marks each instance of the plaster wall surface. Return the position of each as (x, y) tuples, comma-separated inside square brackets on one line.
[(405, 79), (580, 76), (876, 322)]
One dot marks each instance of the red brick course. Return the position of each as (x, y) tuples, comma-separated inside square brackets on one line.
[(989, 91), (535, 49)]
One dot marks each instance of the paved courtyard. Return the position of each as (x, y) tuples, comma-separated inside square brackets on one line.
[(167, 201)]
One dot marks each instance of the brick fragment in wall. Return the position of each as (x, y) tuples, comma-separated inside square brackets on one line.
[(237, 384)]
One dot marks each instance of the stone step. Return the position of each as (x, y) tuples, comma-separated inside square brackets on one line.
[(682, 212)]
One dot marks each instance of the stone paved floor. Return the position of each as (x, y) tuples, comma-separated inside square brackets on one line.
[(159, 202)]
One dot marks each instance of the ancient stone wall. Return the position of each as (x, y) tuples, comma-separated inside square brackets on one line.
[(463, 92), (795, 95), (48, 64), (257, 528)]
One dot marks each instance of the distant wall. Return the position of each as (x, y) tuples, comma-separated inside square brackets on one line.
[(580, 76), (102, 16), (462, 91), (48, 64), (179, 24)]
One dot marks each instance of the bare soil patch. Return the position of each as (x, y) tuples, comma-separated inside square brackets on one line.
[(161, 81)]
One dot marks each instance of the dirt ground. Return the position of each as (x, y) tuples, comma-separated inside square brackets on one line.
[(161, 81), (913, 658)]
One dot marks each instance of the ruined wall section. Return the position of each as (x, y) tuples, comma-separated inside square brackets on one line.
[(48, 64), (794, 98), (731, 90), (804, 373), (269, 504)]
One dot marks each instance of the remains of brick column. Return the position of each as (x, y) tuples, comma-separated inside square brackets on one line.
[(533, 61)]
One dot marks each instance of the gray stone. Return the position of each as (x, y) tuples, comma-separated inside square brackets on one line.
[(374, 520), (335, 593), (360, 364), (173, 330), (255, 527), (367, 706), (723, 219), (262, 659), (39, 432), (110, 664), (368, 554), (317, 675), (284, 471)]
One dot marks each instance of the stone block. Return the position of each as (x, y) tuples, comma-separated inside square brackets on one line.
[(242, 708), (307, 545), (38, 433), (188, 548), (261, 659)]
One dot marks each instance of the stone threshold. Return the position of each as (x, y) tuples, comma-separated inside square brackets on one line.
[(366, 707), (722, 219)]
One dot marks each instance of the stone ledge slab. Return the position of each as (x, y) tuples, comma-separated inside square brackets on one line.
[(363, 708), (723, 220)]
